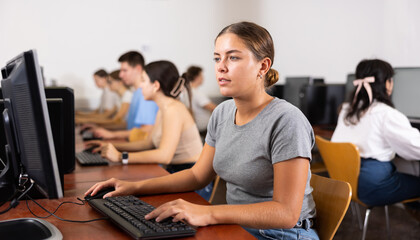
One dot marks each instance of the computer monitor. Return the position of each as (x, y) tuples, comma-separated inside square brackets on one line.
[(276, 90), (321, 102), (55, 110), (67, 144), (68, 147), (27, 124), (349, 86), (405, 95), (292, 90)]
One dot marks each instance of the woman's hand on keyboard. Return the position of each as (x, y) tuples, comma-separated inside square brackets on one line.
[(109, 152), (95, 145), (103, 133), (181, 210), (121, 188)]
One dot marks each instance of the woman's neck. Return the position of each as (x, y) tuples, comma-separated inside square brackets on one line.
[(248, 108), (163, 101)]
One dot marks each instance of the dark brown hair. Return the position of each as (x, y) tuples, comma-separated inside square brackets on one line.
[(101, 73), (167, 75), (115, 75), (258, 40), (192, 72), (382, 72), (133, 59)]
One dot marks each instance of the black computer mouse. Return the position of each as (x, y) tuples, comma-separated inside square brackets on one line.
[(100, 194)]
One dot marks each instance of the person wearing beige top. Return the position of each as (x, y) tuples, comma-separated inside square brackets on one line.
[(174, 140)]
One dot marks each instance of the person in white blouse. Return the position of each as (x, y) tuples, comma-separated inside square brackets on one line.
[(380, 131), (202, 106)]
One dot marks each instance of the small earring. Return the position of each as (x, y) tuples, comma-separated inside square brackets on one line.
[(260, 75)]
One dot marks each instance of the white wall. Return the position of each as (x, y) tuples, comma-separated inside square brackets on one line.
[(325, 38)]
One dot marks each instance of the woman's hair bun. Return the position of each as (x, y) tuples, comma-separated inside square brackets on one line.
[(271, 77)]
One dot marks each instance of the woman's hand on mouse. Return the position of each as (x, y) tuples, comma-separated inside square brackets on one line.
[(121, 188)]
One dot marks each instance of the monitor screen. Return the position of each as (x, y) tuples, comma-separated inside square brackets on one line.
[(276, 90), (349, 85), (321, 103), (293, 89), (405, 95), (27, 120)]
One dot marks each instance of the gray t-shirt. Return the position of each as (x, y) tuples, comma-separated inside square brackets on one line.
[(245, 154)]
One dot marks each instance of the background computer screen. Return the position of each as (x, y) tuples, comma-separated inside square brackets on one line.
[(276, 90), (26, 107), (68, 148), (406, 92), (349, 86), (292, 90)]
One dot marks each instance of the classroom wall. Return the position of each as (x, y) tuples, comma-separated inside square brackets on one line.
[(324, 38)]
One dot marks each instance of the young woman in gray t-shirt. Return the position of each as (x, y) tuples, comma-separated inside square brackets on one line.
[(260, 145)]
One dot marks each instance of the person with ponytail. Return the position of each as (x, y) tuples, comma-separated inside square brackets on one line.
[(260, 145), (380, 131), (202, 106), (174, 140)]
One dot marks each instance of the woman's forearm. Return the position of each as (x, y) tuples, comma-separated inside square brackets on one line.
[(182, 181), (150, 156), (263, 215), (133, 146)]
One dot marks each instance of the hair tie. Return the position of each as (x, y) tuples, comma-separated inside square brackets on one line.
[(365, 83), (179, 86)]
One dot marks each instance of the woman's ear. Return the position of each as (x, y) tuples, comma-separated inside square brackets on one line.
[(265, 66), (156, 86)]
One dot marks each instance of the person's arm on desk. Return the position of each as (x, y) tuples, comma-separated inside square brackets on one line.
[(172, 127), (282, 212), (122, 134)]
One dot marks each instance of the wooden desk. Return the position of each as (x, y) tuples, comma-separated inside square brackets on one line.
[(325, 131), (76, 183)]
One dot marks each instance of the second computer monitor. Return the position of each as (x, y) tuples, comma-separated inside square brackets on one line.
[(405, 93), (349, 85), (292, 90)]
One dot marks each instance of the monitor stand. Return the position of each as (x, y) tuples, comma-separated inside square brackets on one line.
[(29, 228)]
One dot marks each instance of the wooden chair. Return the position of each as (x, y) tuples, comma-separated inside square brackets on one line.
[(332, 198), (343, 163), (218, 195)]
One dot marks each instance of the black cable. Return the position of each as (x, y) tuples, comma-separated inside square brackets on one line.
[(15, 200), (6, 210), (80, 204), (59, 218)]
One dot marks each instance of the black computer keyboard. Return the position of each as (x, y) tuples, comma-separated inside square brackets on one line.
[(128, 213), (87, 158)]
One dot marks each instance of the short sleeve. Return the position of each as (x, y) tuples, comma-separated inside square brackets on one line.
[(211, 129), (127, 96), (146, 112), (292, 137)]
